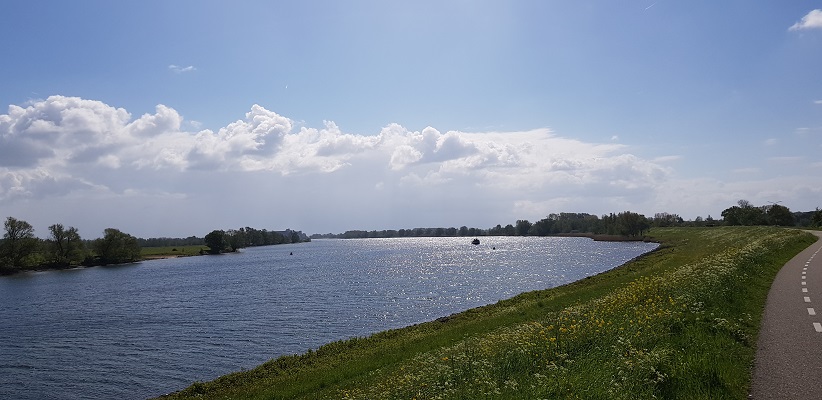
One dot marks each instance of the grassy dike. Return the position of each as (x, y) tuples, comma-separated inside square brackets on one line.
[(680, 322)]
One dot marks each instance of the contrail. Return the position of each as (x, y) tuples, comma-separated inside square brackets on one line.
[(646, 8)]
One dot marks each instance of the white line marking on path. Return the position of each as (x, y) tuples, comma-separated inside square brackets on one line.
[(804, 290), (804, 283), (811, 311), (817, 326), (807, 299)]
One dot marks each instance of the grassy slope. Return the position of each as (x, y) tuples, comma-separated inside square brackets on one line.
[(678, 323)]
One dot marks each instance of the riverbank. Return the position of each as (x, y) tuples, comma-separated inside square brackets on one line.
[(154, 253), (680, 322), (146, 254)]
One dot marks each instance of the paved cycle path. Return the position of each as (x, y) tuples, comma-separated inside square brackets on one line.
[(789, 349)]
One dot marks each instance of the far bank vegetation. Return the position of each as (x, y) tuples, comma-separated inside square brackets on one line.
[(21, 250), (624, 225)]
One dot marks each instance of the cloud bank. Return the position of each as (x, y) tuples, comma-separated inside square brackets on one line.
[(86, 163), (69, 139)]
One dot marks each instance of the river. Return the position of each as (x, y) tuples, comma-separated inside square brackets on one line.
[(146, 329)]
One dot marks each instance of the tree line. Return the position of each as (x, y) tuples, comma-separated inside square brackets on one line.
[(232, 240), (628, 224), (20, 249), (63, 248), (745, 213)]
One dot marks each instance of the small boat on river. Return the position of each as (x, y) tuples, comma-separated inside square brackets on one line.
[(475, 241)]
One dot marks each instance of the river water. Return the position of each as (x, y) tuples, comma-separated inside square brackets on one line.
[(146, 329)]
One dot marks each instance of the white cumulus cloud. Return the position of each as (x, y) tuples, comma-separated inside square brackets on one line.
[(812, 20), (62, 149)]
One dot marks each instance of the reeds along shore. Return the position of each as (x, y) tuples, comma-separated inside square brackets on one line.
[(679, 323)]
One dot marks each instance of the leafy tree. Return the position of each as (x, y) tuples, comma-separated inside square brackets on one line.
[(817, 218), (235, 240), (216, 241), (523, 226), (116, 247), (779, 215), (732, 215), (18, 242), (665, 219), (744, 213), (509, 230), (632, 224), (65, 246)]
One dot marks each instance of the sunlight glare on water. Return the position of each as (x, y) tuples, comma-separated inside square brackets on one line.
[(142, 330)]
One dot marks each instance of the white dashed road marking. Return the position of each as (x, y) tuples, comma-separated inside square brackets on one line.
[(812, 312)]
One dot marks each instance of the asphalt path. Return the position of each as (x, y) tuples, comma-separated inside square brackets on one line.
[(789, 349)]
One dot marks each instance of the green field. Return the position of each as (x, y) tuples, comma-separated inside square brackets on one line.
[(679, 323), (171, 251)]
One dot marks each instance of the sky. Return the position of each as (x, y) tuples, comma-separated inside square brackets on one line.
[(175, 118)]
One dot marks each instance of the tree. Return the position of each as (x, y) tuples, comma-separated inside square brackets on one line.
[(779, 215), (235, 239), (216, 241), (817, 218), (732, 215), (744, 213), (523, 226), (665, 219), (116, 247), (509, 230), (632, 224), (65, 246), (18, 242)]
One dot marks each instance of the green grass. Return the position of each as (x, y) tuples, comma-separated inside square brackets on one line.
[(171, 251), (679, 323)]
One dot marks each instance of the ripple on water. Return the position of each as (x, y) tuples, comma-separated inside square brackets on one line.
[(143, 330)]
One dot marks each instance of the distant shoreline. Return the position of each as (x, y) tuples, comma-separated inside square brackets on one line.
[(10, 272), (151, 257), (607, 238), (165, 256)]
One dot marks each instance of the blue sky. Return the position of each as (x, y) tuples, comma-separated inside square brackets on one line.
[(325, 116)]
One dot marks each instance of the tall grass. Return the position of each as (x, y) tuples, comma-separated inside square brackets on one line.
[(680, 323)]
